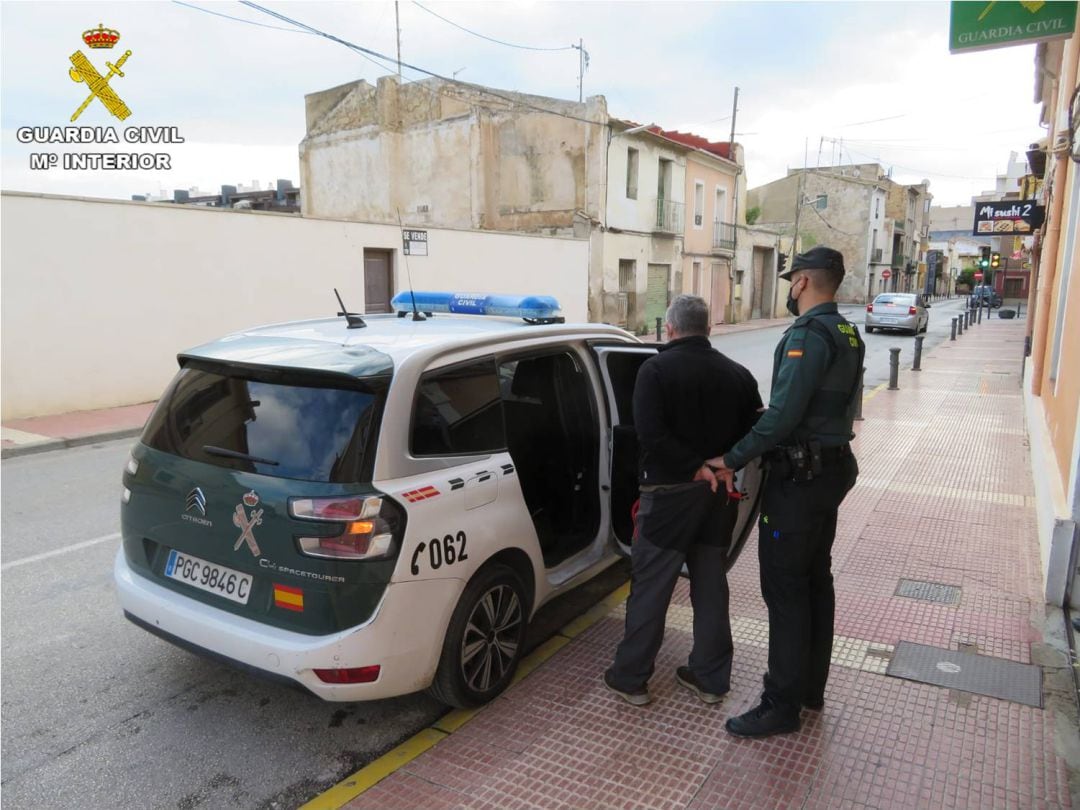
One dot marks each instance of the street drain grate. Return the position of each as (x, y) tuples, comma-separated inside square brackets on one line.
[(978, 674), (928, 591)]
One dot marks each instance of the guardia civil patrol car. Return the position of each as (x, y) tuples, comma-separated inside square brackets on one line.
[(373, 506)]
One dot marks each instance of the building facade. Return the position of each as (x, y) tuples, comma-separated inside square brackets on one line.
[(441, 154), (1052, 378)]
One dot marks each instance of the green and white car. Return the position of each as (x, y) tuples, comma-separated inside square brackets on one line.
[(373, 511)]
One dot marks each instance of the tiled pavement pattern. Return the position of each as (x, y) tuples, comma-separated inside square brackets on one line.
[(945, 496)]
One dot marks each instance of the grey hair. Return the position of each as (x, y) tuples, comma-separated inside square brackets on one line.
[(688, 315)]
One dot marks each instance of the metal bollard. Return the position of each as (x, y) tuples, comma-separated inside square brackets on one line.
[(859, 396), (952, 332), (658, 338), (917, 365), (979, 315), (967, 319), (894, 368), (962, 324)]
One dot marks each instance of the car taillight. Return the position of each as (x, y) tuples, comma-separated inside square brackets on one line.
[(869, 307), (911, 310), (366, 526), (351, 675)]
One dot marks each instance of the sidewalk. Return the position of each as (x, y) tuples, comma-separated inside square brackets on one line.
[(945, 497)]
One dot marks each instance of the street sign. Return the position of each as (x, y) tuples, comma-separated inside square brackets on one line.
[(886, 273), (983, 25), (414, 243), (978, 276)]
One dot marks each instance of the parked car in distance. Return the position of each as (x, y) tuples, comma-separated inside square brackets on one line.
[(906, 312), (980, 294)]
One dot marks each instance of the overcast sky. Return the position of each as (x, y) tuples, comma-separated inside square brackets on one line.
[(877, 75)]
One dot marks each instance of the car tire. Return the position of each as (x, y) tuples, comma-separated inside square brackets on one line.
[(869, 330), (484, 640)]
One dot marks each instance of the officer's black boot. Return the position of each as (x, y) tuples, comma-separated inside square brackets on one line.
[(764, 720)]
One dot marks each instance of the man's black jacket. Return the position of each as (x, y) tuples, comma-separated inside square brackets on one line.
[(691, 403)]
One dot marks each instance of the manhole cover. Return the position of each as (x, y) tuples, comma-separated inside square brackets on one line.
[(928, 591), (978, 674)]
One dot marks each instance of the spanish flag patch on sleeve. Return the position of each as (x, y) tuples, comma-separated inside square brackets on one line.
[(794, 353), (288, 598)]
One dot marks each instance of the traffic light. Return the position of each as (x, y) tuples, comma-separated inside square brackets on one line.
[(781, 263), (984, 260), (984, 263), (995, 260)]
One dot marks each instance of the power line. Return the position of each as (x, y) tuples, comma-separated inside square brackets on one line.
[(362, 50), (239, 19), (489, 39)]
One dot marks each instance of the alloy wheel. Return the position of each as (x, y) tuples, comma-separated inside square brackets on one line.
[(489, 645)]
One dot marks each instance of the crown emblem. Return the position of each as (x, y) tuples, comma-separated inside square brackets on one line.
[(251, 499), (101, 37)]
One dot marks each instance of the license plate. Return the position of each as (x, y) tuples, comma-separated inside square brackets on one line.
[(208, 576), (888, 320)]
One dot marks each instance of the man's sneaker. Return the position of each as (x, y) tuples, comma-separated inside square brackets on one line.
[(686, 677), (763, 720), (635, 697)]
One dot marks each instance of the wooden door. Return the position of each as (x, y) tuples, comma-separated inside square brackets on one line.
[(378, 286)]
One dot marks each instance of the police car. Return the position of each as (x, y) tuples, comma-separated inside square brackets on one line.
[(372, 506)]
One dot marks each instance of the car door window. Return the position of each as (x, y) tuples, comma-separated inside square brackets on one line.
[(458, 411)]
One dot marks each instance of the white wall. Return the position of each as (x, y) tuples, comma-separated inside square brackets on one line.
[(99, 296), (640, 214)]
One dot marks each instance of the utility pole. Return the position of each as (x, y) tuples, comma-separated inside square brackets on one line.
[(583, 63), (397, 22), (734, 112)]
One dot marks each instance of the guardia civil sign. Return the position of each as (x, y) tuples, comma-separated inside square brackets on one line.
[(978, 26)]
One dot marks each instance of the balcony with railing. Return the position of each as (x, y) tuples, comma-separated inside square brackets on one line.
[(875, 256), (899, 260), (669, 216), (723, 236)]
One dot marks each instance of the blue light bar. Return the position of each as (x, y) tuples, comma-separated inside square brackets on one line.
[(532, 308)]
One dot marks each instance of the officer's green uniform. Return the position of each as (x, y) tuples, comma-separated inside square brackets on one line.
[(816, 372)]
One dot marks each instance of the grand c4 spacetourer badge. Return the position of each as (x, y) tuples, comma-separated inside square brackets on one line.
[(247, 523)]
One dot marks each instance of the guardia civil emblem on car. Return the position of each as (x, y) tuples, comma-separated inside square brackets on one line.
[(398, 494)]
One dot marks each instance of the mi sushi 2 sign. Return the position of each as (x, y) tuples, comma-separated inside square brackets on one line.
[(978, 26)]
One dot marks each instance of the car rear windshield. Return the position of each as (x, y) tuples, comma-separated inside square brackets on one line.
[(307, 432), (895, 299)]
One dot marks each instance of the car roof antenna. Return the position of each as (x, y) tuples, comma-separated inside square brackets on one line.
[(416, 316), (354, 320)]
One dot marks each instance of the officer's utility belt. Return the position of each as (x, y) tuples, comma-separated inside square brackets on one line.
[(804, 462)]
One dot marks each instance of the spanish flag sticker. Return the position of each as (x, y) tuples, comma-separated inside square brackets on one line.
[(288, 598), (794, 353)]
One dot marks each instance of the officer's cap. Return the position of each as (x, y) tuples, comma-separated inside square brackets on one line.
[(817, 258)]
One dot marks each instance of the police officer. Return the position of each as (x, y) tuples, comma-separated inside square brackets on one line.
[(804, 437)]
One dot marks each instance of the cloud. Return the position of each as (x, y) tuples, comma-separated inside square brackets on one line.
[(805, 71)]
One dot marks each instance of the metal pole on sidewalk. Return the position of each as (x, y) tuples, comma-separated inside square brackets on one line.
[(952, 331), (962, 323), (979, 314), (894, 368), (658, 330), (859, 396), (917, 365)]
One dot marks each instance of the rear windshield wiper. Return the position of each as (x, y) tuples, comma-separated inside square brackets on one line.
[(221, 451)]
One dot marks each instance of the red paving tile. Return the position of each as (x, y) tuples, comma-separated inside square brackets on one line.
[(84, 423), (937, 502)]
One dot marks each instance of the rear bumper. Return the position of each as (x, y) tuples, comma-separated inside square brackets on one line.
[(897, 322), (404, 637)]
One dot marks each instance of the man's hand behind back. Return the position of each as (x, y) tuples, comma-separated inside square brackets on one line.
[(720, 472), (707, 475)]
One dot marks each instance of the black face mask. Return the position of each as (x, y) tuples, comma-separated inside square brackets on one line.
[(792, 304)]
